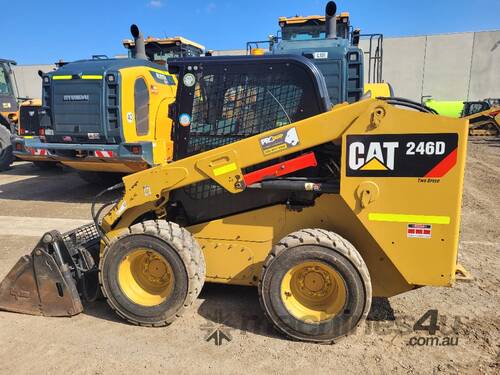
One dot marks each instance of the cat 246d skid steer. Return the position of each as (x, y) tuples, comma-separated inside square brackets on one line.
[(320, 208)]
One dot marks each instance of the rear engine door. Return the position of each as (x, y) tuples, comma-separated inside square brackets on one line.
[(77, 104)]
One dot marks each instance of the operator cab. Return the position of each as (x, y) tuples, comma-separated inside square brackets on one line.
[(312, 27), (331, 44), (224, 99), (159, 50)]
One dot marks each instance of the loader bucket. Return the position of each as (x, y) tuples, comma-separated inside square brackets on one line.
[(42, 283)]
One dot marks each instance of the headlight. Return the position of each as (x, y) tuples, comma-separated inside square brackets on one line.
[(46, 80), (110, 78)]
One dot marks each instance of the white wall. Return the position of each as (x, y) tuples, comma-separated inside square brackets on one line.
[(462, 66), (28, 81)]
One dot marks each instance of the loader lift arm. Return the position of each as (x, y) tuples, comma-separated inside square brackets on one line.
[(149, 190)]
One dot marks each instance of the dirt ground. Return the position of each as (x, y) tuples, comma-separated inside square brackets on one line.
[(98, 342)]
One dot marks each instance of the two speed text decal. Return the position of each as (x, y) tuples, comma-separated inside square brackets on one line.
[(401, 155)]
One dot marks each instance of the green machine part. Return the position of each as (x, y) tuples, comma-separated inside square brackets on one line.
[(446, 108)]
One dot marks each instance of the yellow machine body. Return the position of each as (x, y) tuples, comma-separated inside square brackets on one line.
[(320, 207), (158, 128), (12, 116), (298, 20), (160, 125), (485, 123), (374, 213), (378, 89)]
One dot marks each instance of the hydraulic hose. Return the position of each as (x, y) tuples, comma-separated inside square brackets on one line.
[(408, 103), (95, 215)]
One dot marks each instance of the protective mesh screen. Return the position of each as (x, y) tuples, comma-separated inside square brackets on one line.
[(227, 110), (227, 105)]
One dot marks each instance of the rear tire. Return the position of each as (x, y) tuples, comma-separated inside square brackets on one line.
[(152, 274), (103, 179), (6, 149), (315, 286)]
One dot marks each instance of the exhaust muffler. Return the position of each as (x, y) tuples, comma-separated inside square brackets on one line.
[(139, 51)]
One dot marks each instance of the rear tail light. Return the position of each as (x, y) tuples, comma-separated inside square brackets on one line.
[(36, 151), (19, 147), (136, 150), (42, 131)]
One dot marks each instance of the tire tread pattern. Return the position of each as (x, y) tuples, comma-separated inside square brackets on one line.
[(187, 248), (326, 239)]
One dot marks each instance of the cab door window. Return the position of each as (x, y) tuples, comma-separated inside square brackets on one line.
[(141, 107)]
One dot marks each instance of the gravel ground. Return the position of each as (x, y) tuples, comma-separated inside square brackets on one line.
[(96, 341)]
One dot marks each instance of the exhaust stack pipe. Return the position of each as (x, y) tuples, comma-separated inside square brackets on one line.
[(139, 51), (331, 20)]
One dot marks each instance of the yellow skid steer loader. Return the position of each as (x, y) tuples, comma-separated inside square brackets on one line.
[(319, 207)]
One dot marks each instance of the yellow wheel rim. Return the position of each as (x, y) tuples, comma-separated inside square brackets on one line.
[(313, 292), (146, 277)]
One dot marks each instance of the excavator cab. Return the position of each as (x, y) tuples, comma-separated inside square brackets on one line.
[(159, 50)]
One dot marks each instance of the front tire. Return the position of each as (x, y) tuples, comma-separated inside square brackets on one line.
[(152, 274), (315, 286)]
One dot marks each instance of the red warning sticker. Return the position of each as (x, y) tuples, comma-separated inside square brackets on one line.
[(419, 231)]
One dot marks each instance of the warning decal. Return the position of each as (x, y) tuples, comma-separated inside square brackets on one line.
[(419, 231), (279, 141), (401, 155)]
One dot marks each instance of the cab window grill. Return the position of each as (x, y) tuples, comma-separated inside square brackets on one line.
[(226, 105), (227, 110), (141, 107)]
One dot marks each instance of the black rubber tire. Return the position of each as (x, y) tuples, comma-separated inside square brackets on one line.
[(103, 179), (46, 165), (183, 253), (333, 250), (6, 149)]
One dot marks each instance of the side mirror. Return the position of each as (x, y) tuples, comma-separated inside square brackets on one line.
[(355, 37)]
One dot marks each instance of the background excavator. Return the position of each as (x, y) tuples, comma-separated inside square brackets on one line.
[(319, 206)]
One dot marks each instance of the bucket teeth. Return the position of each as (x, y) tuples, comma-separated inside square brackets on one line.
[(39, 285)]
